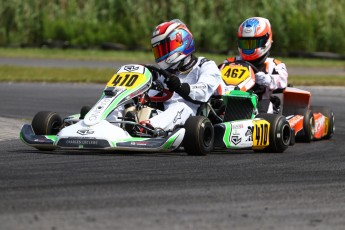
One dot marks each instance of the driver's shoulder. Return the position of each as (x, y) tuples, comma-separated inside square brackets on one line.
[(205, 63), (272, 60)]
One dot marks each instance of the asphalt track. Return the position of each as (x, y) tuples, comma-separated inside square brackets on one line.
[(300, 189), (303, 188)]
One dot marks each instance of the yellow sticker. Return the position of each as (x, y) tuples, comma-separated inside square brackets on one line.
[(261, 134), (127, 80), (325, 132), (234, 74)]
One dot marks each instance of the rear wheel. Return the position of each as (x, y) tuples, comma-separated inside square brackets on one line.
[(326, 111), (279, 134), (46, 123), (307, 134), (199, 136)]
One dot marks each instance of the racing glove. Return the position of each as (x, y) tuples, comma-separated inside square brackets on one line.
[(263, 79), (174, 84)]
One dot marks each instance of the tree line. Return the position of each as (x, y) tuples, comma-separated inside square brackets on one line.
[(298, 25)]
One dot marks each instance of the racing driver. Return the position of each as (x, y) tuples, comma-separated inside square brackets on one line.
[(254, 43), (192, 79)]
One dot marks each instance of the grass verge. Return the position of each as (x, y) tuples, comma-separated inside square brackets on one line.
[(140, 56), (43, 74), (102, 75)]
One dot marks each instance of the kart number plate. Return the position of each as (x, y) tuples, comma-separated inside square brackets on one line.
[(234, 74), (127, 80), (261, 134)]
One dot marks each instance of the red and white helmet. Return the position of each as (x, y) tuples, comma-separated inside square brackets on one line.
[(254, 38), (171, 43)]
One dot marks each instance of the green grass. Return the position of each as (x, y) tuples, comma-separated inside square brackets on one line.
[(102, 75), (140, 56), (318, 80), (42, 74)]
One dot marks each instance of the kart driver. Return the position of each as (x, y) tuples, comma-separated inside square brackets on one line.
[(254, 43), (193, 79)]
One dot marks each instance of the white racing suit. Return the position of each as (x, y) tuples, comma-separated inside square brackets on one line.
[(278, 72), (204, 79)]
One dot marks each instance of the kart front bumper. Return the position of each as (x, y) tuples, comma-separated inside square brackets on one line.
[(51, 142)]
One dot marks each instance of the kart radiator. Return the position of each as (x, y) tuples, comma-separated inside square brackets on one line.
[(238, 108)]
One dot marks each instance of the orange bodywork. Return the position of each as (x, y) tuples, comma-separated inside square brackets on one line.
[(320, 128), (321, 125), (296, 98), (296, 123)]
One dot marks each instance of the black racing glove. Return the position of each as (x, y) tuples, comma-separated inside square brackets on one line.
[(174, 85)]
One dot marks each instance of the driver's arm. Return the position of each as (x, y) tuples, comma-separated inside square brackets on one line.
[(208, 81), (279, 76)]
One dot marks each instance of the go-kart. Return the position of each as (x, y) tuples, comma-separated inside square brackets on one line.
[(229, 121), (99, 128), (293, 119)]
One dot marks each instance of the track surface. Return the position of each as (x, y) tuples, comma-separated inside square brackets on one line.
[(303, 188)]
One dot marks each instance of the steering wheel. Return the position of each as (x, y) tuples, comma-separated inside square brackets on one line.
[(247, 63), (157, 85)]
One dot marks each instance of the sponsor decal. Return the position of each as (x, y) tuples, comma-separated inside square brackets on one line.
[(198, 87), (131, 68), (236, 140), (249, 133), (81, 142), (320, 124), (235, 132), (237, 126), (98, 111), (178, 116), (142, 143), (85, 131)]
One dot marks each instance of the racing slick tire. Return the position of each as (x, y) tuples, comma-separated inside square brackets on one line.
[(307, 134), (199, 136), (326, 111), (280, 133), (46, 123)]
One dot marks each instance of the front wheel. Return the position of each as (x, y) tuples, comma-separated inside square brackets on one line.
[(280, 133), (199, 136), (46, 123)]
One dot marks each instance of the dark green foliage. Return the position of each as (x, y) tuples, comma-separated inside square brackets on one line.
[(298, 25)]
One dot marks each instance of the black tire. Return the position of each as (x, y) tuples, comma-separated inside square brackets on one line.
[(326, 111), (199, 136), (307, 134), (279, 134), (84, 110), (46, 123)]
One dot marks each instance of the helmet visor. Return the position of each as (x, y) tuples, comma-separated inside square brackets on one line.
[(252, 43), (164, 47)]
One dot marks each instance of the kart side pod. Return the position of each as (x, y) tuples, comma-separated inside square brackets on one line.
[(265, 133)]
